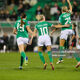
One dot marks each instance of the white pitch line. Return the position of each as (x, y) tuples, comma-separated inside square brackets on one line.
[(58, 55)]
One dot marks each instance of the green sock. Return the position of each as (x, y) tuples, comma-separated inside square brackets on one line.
[(42, 57), (77, 57), (50, 56), (23, 55), (61, 53)]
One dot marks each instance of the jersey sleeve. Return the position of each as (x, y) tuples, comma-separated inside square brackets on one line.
[(35, 26), (70, 12), (27, 23), (50, 24), (60, 19)]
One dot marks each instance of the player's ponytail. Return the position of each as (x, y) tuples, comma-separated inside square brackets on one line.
[(39, 17), (23, 16)]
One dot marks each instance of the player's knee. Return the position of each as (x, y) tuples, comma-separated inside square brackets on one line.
[(40, 49), (48, 48)]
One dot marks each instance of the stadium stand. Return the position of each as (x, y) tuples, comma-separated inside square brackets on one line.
[(15, 8)]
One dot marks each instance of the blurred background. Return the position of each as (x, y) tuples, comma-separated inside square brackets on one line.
[(10, 11)]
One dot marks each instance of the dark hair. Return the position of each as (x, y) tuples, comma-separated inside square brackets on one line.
[(74, 25), (23, 15)]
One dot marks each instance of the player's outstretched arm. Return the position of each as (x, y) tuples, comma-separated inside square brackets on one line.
[(30, 42), (53, 31), (29, 30), (34, 33), (70, 6), (60, 26)]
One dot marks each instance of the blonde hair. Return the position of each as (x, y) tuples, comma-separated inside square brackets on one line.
[(39, 17), (64, 9)]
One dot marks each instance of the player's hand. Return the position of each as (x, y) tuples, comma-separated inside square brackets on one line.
[(51, 33), (68, 1), (34, 34), (67, 25)]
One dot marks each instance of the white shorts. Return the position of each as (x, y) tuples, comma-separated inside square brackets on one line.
[(44, 40), (22, 40), (64, 34)]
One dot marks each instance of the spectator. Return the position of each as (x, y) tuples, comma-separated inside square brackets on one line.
[(74, 37), (1, 43), (55, 9), (2, 15), (27, 6), (79, 15), (78, 46), (20, 2), (75, 7), (30, 2), (62, 3), (33, 2), (46, 11), (39, 10), (20, 9), (10, 2), (56, 15), (11, 6), (6, 41), (13, 17), (7, 15), (75, 16)]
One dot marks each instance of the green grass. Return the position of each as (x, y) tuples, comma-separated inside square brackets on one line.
[(9, 63)]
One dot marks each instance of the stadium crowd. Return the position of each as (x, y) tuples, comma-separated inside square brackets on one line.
[(51, 11)]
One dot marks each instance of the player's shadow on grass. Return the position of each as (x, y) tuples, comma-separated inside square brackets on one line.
[(60, 68), (76, 70), (29, 68)]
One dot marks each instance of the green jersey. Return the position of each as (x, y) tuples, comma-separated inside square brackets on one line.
[(43, 28), (21, 30), (65, 19)]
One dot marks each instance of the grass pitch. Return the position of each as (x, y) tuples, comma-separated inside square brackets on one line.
[(9, 63)]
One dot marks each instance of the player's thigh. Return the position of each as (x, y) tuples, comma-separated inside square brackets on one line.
[(40, 41), (19, 41), (64, 35), (25, 45), (21, 44), (70, 32), (21, 47), (25, 40), (47, 41)]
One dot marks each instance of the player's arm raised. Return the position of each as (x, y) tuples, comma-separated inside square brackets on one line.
[(60, 26), (70, 6)]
